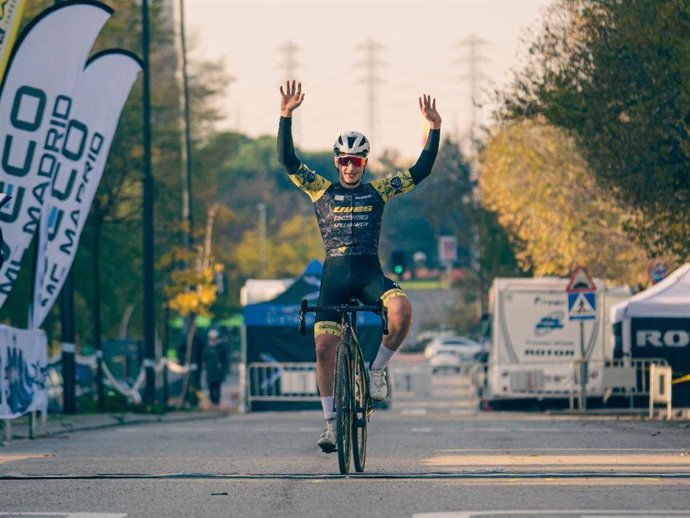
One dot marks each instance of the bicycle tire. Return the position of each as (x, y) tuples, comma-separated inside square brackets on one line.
[(343, 407), (360, 412)]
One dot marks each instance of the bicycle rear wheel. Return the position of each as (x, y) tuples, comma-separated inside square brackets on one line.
[(360, 413), (343, 407)]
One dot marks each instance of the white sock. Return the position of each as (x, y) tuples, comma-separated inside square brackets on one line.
[(327, 405), (382, 358)]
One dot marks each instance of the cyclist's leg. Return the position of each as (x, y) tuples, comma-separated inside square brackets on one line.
[(326, 337), (399, 311), (327, 334)]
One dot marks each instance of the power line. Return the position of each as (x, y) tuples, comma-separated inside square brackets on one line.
[(290, 67), (289, 64), (473, 44), (371, 49), (474, 60)]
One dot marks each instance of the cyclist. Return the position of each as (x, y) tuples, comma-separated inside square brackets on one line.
[(349, 215)]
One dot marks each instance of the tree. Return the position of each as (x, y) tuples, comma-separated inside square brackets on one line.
[(112, 236), (616, 74), (542, 191), (294, 244)]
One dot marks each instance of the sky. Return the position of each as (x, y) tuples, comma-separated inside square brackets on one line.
[(418, 50)]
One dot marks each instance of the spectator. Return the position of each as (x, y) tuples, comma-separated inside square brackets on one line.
[(215, 364)]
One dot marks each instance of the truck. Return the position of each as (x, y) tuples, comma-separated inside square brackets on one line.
[(536, 352)]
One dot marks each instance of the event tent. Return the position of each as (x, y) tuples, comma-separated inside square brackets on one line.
[(272, 327), (655, 323)]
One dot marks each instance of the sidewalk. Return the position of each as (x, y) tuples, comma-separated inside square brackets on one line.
[(61, 424), (57, 424)]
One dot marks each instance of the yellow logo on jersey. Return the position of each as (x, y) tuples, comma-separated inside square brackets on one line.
[(363, 208)]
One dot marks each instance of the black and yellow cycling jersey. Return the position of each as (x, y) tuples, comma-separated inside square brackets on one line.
[(350, 218), (350, 222)]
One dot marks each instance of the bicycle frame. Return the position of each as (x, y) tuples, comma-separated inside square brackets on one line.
[(352, 401)]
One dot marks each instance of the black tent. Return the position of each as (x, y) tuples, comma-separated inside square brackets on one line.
[(655, 323), (272, 335)]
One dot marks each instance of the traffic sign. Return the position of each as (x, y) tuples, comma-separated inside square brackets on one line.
[(580, 281), (657, 270), (582, 305), (582, 296), (448, 249)]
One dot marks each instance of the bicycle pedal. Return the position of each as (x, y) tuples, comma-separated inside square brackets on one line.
[(327, 448)]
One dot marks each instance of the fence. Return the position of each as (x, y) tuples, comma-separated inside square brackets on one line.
[(627, 378), (281, 382), (295, 382)]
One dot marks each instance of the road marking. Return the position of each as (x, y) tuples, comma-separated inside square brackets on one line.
[(420, 430), (66, 514), (478, 475), (462, 411), (414, 411), (14, 457), (580, 513), (679, 451), (655, 461)]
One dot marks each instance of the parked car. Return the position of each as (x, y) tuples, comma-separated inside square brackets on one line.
[(466, 347), (446, 359)]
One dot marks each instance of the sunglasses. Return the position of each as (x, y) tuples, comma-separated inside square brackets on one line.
[(357, 161)]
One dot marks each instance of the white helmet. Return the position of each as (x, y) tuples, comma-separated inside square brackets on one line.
[(351, 143)]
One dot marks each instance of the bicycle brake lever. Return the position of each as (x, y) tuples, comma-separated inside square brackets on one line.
[(302, 311), (384, 319)]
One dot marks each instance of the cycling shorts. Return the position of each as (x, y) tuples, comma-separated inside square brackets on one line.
[(350, 276)]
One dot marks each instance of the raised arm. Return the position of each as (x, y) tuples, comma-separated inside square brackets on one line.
[(290, 100), (425, 162)]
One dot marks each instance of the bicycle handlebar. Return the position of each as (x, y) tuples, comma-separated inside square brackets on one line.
[(378, 309)]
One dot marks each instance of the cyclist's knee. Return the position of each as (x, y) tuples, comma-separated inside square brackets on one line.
[(399, 311), (326, 337)]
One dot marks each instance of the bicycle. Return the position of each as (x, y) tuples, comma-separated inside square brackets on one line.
[(352, 400)]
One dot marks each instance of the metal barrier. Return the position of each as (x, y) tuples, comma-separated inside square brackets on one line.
[(296, 381), (272, 381), (624, 377), (411, 379), (629, 377), (660, 388)]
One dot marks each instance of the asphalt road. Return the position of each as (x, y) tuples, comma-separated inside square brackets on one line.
[(433, 457)]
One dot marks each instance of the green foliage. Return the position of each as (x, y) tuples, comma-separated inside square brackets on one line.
[(616, 74), (113, 231)]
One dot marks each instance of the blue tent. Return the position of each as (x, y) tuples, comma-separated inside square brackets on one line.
[(272, 327)]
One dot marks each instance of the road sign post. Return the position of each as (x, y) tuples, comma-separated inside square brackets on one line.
[(582, 305)]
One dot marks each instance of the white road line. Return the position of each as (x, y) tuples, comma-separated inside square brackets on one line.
[(593, 450), (580, 513), (65, 514), (414, 411)]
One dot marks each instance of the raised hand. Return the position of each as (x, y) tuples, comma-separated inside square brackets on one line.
[(290, 98), (427, 106)]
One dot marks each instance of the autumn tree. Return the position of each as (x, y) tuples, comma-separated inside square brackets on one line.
[(615, 74), (544, 194)]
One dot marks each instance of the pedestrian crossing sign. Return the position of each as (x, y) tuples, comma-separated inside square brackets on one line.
[(582, 305)]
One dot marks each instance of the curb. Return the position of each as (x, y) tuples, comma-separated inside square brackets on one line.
[(64, 426)]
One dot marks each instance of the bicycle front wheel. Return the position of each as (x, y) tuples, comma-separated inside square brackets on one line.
[(360, 414), (344, 403)]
